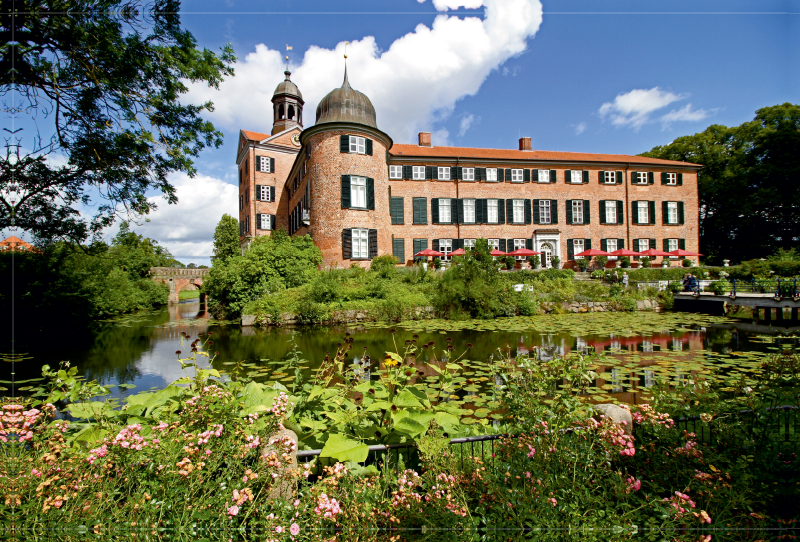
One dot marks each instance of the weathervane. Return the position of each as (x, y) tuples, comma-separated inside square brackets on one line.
[(288, 48)]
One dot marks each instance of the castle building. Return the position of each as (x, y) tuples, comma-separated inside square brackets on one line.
[(359, 195)]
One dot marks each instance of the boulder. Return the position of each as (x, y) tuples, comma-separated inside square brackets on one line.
[(248, 319), (286, 483), (617, 415)]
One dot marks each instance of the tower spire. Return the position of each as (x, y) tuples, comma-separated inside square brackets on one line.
[(345, 83)]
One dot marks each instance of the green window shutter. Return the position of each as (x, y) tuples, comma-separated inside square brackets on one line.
[(429, 173), (370, 194), (272, 222), (682, 244), (652, 214), (587, 244), (399, 249), (373, 243), (680, 212), (344, 143), (455, 218), (420, 210), (635, 248), (501, 211), (480, 173), (553, 176), (408, 172), (501, 175), (554, 211), (651, 177), (272, 193), (603, 245), (653, 244), (635, 212), (529, 243), (620, 243), (509, 211), (663, 177), (634, 177), (619, 177), (510, 245), (345, 191), (603, 211), (508, 175), (526, 175), (460, 212), (258, 162), (536, 215), (664, 212), (453, 173), (569, 211), (435, 245), (502, 245), (535, 175), (666, 245), (396, 210), (680, 179), (419, 246), (587, 206), (347, 243), (434, 210), (570, 249), (601, 177), (480, 211), (459, 173), (567, 176), (272, 165), (528, 217), (620, 212), (458, 243), (258, 191), (369, 146), (585, 176)]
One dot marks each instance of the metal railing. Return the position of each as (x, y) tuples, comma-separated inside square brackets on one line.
[(780, 287)]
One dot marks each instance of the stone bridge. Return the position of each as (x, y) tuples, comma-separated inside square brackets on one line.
[(177, 279)]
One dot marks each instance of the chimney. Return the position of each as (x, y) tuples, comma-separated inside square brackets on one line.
[(424, 139), (525, 144)]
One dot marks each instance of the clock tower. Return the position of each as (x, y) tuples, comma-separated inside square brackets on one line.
[(287, 106)]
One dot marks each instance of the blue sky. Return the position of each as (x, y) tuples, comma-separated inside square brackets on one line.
[(585, 76)]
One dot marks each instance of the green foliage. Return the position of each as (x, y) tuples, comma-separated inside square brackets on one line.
[(226, 240), (720, 287), (555, 261), (437, 263), (325, 289), (385, 266), (112, 86), (583, 263), (510, 262), (644, 261), (625, 262), (535, 261), (601, 261), (687, 262), (675, 287)]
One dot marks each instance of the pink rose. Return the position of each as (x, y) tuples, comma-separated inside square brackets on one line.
[(294, 529)]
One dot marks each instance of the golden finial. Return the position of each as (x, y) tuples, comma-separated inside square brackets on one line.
[(345, 49)]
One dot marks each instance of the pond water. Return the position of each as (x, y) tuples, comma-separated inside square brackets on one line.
[(141, 349)]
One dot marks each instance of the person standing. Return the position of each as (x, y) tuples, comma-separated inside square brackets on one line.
[(624, 280)]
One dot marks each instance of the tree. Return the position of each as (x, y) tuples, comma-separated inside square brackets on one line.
[(749, 202), (101, 82), (226, 240)]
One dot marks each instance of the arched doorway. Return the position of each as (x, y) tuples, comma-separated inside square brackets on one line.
[(547, 254)]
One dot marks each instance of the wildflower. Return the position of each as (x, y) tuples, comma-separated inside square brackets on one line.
[(532, 451), (705, 517), (294, 529), (278, 529), (553, 501), (233, 510)]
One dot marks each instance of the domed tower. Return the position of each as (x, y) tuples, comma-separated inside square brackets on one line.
[(349, 180), (287, 106)]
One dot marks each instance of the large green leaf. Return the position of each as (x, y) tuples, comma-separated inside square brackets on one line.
[(90, 410), (446, 420), (411, 424), (91, 434), (344, 449), (406, 399)]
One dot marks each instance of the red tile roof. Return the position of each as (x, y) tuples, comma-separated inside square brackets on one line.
[(255, 136), (15, 243), (508, 154)]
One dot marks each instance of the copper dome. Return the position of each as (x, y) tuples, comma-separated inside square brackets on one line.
[(344, 104), (287, 87)]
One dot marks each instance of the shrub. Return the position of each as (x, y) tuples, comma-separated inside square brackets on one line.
[(601, 261), (385, 266), (598, 274), (583, 263), (675, 287), (510, 262), (644, 261), (535, 261), (556, 261), (311, 312), (625, 262), (687, 262), (326, 288), (437, 263)]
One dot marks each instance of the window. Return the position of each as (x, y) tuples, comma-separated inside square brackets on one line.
[(247, 223), (446, 247), (468, 174), (519, 243), (576, 177), (611, 212), (491, 174), (360, 238), (641, 177), (491, 211), (444, 174), (418, 173), (444, 211), (677, 344), (395, 172), (265, 164), (544, 176), (264, 222), (399, 249), (519, 211), (494, 244), (264, 193), (644, 212), (396, 209), (644, 244), (469, 211), (647, 347), (577, 246), (671, 179), (420, 211), (577, 211), (358, 192), (649, 378), (358, 145), (419, 246), (610, 177), (516, 176), (672, 245), (672, 212), (544, 211), (611, 246), (469, 243), (241, 202)]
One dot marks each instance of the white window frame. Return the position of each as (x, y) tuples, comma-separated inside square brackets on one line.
[(644, 212), (577, 211), (494, 244), (518, 211), (469, 211), (359, 238), (672, 179), (446, 247), (645, 242), (545, 214), (469, 243), (445, 208), (519, 243), (491, 175), (544, 176), (358, 192), (672, 212), (610, 177), (358, 145), (264, 193), (264, 163), (611, 246), (641, 177), (576, 176), (395, 172), (577, 247), (468, 174), (611, 212), (517, 176), (492, 205), (261, 219), (247, 224), (672, 245), (418, 173), (443, 173)]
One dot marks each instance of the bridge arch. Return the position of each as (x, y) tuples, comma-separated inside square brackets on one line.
[(177, 278)]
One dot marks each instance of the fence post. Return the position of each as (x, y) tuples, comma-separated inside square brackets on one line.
[(734, 287)]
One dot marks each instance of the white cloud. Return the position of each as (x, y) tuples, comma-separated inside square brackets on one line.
[(444, 5), (466, 123), (633, 108), (580, 128), (685, 113), (414, 83)]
